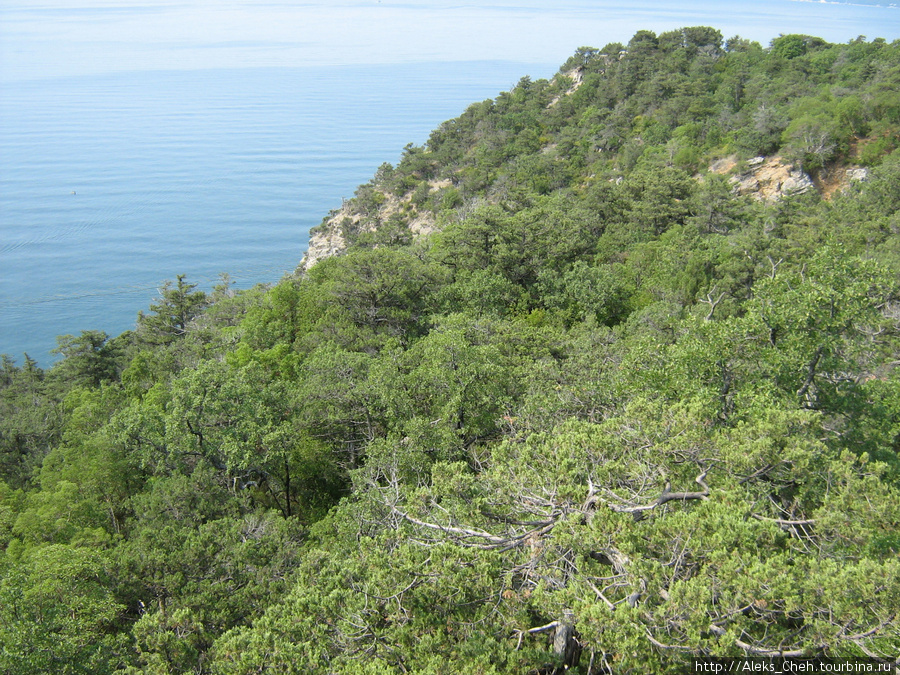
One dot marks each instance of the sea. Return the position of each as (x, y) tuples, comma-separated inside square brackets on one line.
[(112, 184)]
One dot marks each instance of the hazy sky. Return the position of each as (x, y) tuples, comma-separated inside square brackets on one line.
[(40, 38)]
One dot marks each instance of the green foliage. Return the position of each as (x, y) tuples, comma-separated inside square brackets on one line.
[(373, 295), (30, 420), (450, 379), (90, 358), (173, 313), (197, 562), (57, 612), (789, 46), (601, 292), (610, 416)]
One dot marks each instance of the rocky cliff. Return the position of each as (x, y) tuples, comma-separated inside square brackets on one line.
[(768, 179), (772, 178), (330, 238)]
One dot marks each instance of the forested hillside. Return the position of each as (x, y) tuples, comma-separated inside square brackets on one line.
[(574, 386)]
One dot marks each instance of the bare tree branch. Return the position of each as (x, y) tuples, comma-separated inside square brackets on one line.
[(666, 496), (461, 531), (774, 265), (761, 472), (659, 644), (712, 303), (496, 542), (811, 372), (781, 521), (612, 557), (871, 631), (512, 521), (531, 631), (600, 595)]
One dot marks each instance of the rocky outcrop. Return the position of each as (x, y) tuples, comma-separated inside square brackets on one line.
[(765, 178), (771, 179), (325, 241), (328, 239), (858, 174), (576, 75)]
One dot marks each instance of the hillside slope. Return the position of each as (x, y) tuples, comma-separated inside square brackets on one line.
[(603, 379), (813, 114)]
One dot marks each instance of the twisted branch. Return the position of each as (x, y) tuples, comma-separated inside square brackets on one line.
[(667, 496), (495, 542)]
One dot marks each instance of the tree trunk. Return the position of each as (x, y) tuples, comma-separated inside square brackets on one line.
[(565, 646)]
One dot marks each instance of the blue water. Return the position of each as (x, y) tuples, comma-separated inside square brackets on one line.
[(111, 184)]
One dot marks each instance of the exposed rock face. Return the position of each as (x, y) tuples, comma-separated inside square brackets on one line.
[(723, 166), (797, 182), (577, 77), (766, 178), (860, 174), (328, 238), (771, 179), (326, 241)]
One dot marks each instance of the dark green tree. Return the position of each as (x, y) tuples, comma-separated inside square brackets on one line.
[(176, 306)]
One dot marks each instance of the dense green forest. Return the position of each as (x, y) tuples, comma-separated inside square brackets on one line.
[(575, 394)]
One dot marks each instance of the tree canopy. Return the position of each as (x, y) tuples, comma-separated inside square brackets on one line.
[(570, 399)]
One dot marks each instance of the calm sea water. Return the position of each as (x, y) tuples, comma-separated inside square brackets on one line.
[(111, 184)]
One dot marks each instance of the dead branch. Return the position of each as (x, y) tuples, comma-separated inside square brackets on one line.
[(528, 536), (461, 531), (666, 496), (810, 373), (635, 597), (495, 542), (610, 556), (512, 521), (801, 529), (781, 521), (712, 303), (659, 644), (591, 498), (532, 631), (600, 595), (761, 472), (871, 631)]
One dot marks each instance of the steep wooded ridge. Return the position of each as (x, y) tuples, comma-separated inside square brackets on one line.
[(603, 379)]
